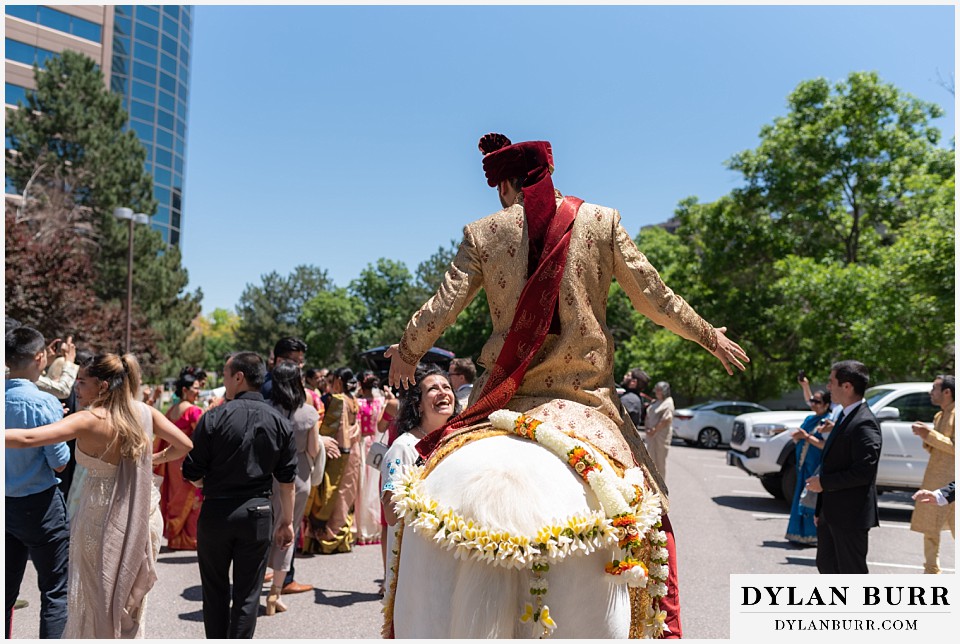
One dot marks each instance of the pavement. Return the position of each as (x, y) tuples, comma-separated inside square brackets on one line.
[(724, 522)]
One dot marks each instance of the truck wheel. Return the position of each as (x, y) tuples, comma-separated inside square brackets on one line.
[(788, 480), (709, 438), (773, 483)]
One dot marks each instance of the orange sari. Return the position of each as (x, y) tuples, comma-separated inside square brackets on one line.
[(179, 499)]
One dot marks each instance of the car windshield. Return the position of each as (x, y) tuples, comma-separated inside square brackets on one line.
[(699, 406), (873, 395)]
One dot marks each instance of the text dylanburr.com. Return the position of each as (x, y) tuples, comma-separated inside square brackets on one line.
[(861, 607)]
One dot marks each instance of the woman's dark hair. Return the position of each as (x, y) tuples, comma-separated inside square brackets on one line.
[(369, 381), (311, 373), (824, 396), (185, 381), (288, 390), (348, 380), (408, 417)]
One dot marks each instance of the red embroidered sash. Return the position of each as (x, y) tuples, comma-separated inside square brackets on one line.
[(529, 329)]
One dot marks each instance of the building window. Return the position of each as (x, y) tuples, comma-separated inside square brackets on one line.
[(144, 92), (15, 93), (148, 15), (27, 54), (49, 17), (145, 33)]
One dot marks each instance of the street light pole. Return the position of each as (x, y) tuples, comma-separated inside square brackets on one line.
[(128, 214)]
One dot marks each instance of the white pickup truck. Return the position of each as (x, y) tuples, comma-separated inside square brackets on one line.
[(761, 445)]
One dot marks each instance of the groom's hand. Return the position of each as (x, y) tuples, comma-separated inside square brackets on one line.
[(401, 373), (729, 352)]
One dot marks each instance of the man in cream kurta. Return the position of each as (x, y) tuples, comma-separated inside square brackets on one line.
[(569, 380), (928, 518)]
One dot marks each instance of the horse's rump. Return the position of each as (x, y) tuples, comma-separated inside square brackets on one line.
[(516, 486)]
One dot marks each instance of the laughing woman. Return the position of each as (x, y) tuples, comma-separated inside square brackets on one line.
[(427, 405)]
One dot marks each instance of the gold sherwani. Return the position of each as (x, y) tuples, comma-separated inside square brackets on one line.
[(940, 441), (570, 381)]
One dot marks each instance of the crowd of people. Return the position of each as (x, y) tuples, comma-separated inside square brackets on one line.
[(87, 441), (279, 464)]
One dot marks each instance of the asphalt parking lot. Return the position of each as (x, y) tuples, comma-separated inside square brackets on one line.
[(724, 520)]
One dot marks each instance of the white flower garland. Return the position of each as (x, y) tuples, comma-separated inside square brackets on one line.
[(579, 535), (631, 513)]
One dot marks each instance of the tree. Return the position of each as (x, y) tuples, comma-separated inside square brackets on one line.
[(48, 281), (332, 319), (387, 293), (841, 245), (70, 137), (211, 339), (273, 310), (73, 121), (834, 169)]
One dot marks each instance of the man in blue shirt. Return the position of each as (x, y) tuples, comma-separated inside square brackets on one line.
[(36, 515)]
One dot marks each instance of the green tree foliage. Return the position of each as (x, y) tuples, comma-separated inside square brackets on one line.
[(73, 121), (841, 245), (332, 320), (835, 168), (273, 310), (388, 296), (159, 286), (70, 137), (211, 339)]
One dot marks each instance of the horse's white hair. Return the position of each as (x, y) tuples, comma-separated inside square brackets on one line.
[(505, 483)]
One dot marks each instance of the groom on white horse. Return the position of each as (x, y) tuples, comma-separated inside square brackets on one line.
[(546, 262)]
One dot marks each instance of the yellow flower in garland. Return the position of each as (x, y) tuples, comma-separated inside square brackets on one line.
[(527, 616), (546, 620)]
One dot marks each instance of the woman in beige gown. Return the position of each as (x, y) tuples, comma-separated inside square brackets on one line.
[(115, 533)]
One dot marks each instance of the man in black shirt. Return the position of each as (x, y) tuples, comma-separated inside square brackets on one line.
[(238, 449), (634, 382)]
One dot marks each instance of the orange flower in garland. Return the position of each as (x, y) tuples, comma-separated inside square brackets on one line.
[(627, 531), (618, 567), (526, 426), (583, 462)]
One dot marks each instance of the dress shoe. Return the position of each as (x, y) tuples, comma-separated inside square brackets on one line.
[(294, 587)]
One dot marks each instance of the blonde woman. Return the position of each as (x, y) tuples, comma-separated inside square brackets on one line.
[(117, 524)]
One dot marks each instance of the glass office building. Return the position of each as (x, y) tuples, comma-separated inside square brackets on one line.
[(144, 52)]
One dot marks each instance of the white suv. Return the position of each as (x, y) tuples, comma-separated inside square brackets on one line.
[(761, 444)]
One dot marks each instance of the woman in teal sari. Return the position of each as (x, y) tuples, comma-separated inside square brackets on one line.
[(809, 449)]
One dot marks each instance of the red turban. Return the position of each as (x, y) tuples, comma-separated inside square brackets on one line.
[(532, 162)]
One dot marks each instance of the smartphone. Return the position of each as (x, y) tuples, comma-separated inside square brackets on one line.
[(801, 374)]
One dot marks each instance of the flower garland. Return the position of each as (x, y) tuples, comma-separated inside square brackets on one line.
[(631, 515)]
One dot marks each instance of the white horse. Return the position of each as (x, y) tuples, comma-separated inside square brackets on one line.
[(517, 486)]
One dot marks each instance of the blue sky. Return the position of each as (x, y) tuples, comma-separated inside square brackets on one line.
[(335, 136)]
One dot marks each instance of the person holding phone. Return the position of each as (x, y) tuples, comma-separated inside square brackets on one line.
[(61, 370), (809, 440)]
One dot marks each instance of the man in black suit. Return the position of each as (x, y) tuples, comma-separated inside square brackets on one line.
[(847, 483)]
